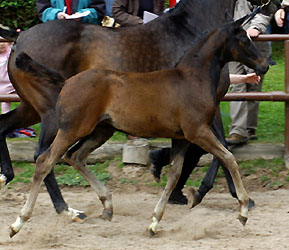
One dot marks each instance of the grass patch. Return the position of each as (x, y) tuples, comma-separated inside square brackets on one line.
[(66, 175)]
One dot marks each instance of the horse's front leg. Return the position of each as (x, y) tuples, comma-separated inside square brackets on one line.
[(23, 116), (179, 148), (207, 140)]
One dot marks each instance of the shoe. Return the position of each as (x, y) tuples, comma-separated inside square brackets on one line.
[(252, 134), (235, 139), (178, 198)]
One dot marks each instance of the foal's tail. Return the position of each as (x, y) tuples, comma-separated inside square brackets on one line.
[(9, 34), (27, 64)]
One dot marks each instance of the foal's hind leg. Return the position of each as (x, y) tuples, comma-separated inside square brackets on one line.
[(77, 157), (49, 129), (179, 148), (207, 140), (44, 165)]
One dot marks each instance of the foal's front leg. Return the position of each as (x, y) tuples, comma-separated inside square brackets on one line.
[(179, 148), (207, 140)]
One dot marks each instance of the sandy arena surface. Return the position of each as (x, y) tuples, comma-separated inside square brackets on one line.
[(211, 225)]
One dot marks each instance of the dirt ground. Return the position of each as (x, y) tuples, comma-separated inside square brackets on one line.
[(211, 225)]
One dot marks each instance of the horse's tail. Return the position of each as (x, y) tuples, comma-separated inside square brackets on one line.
[(9, 34), (39, 71)]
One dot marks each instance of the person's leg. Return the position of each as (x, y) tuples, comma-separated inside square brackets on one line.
[(238, 110), (253, 110)]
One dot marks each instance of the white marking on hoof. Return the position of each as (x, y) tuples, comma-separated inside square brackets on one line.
[(2, 181), (16, 226), (153, 227), (76, 215)]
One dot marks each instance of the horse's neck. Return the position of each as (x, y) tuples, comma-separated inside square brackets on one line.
[(188, 16), (194, 11)]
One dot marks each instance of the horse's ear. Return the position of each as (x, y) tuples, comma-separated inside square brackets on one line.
[(228, 16)]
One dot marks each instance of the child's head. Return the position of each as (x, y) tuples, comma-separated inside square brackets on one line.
[(4, 46)]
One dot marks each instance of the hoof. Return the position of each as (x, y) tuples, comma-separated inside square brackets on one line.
[(12, 232), (79, 217), (76, 215), (106, 215), (242, 219), (196, 198), (251, 204), (151, 233), (2, 181)]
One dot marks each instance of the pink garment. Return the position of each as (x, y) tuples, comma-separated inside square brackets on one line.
[(5, 85)]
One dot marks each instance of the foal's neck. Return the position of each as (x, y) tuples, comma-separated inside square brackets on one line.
[(205, 52)]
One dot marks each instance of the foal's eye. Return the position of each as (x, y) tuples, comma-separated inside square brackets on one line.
[(244, 40)]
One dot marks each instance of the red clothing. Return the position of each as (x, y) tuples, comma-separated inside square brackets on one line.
[(172, 3), (68, 5)]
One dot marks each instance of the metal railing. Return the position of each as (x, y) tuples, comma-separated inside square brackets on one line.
[(274, 96)]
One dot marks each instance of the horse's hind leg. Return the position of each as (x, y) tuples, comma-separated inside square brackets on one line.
[(207, 140), (179, 148), (77, 156), (44, 165), (22, 116)]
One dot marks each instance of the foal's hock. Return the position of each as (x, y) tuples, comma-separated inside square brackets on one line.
[(178, 104)]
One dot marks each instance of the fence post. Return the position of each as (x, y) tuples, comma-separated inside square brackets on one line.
[(286, 153)]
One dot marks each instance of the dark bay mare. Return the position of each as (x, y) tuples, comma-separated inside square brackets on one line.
[(181, 102), (70, 47)]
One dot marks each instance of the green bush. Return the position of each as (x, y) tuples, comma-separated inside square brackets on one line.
[(20, 14)]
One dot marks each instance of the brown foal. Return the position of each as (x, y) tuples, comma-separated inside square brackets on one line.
[(178, 103)]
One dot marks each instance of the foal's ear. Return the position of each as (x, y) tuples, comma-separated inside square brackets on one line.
[(238, 23), (228, 16)]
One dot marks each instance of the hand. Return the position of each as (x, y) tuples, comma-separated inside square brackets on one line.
[(279, 17), (61, 15), (252, 78), (253, 32)]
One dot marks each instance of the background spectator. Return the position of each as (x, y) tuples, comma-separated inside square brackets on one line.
[(61, 9), (5, 84), (130, 13), (245, 114)]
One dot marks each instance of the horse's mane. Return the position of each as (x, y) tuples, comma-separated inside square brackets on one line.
[(191, 13)]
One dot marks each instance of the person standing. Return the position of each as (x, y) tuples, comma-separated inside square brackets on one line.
[(49, 10), (245, 114), (5, 84), (130, 12), (281, 16)]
